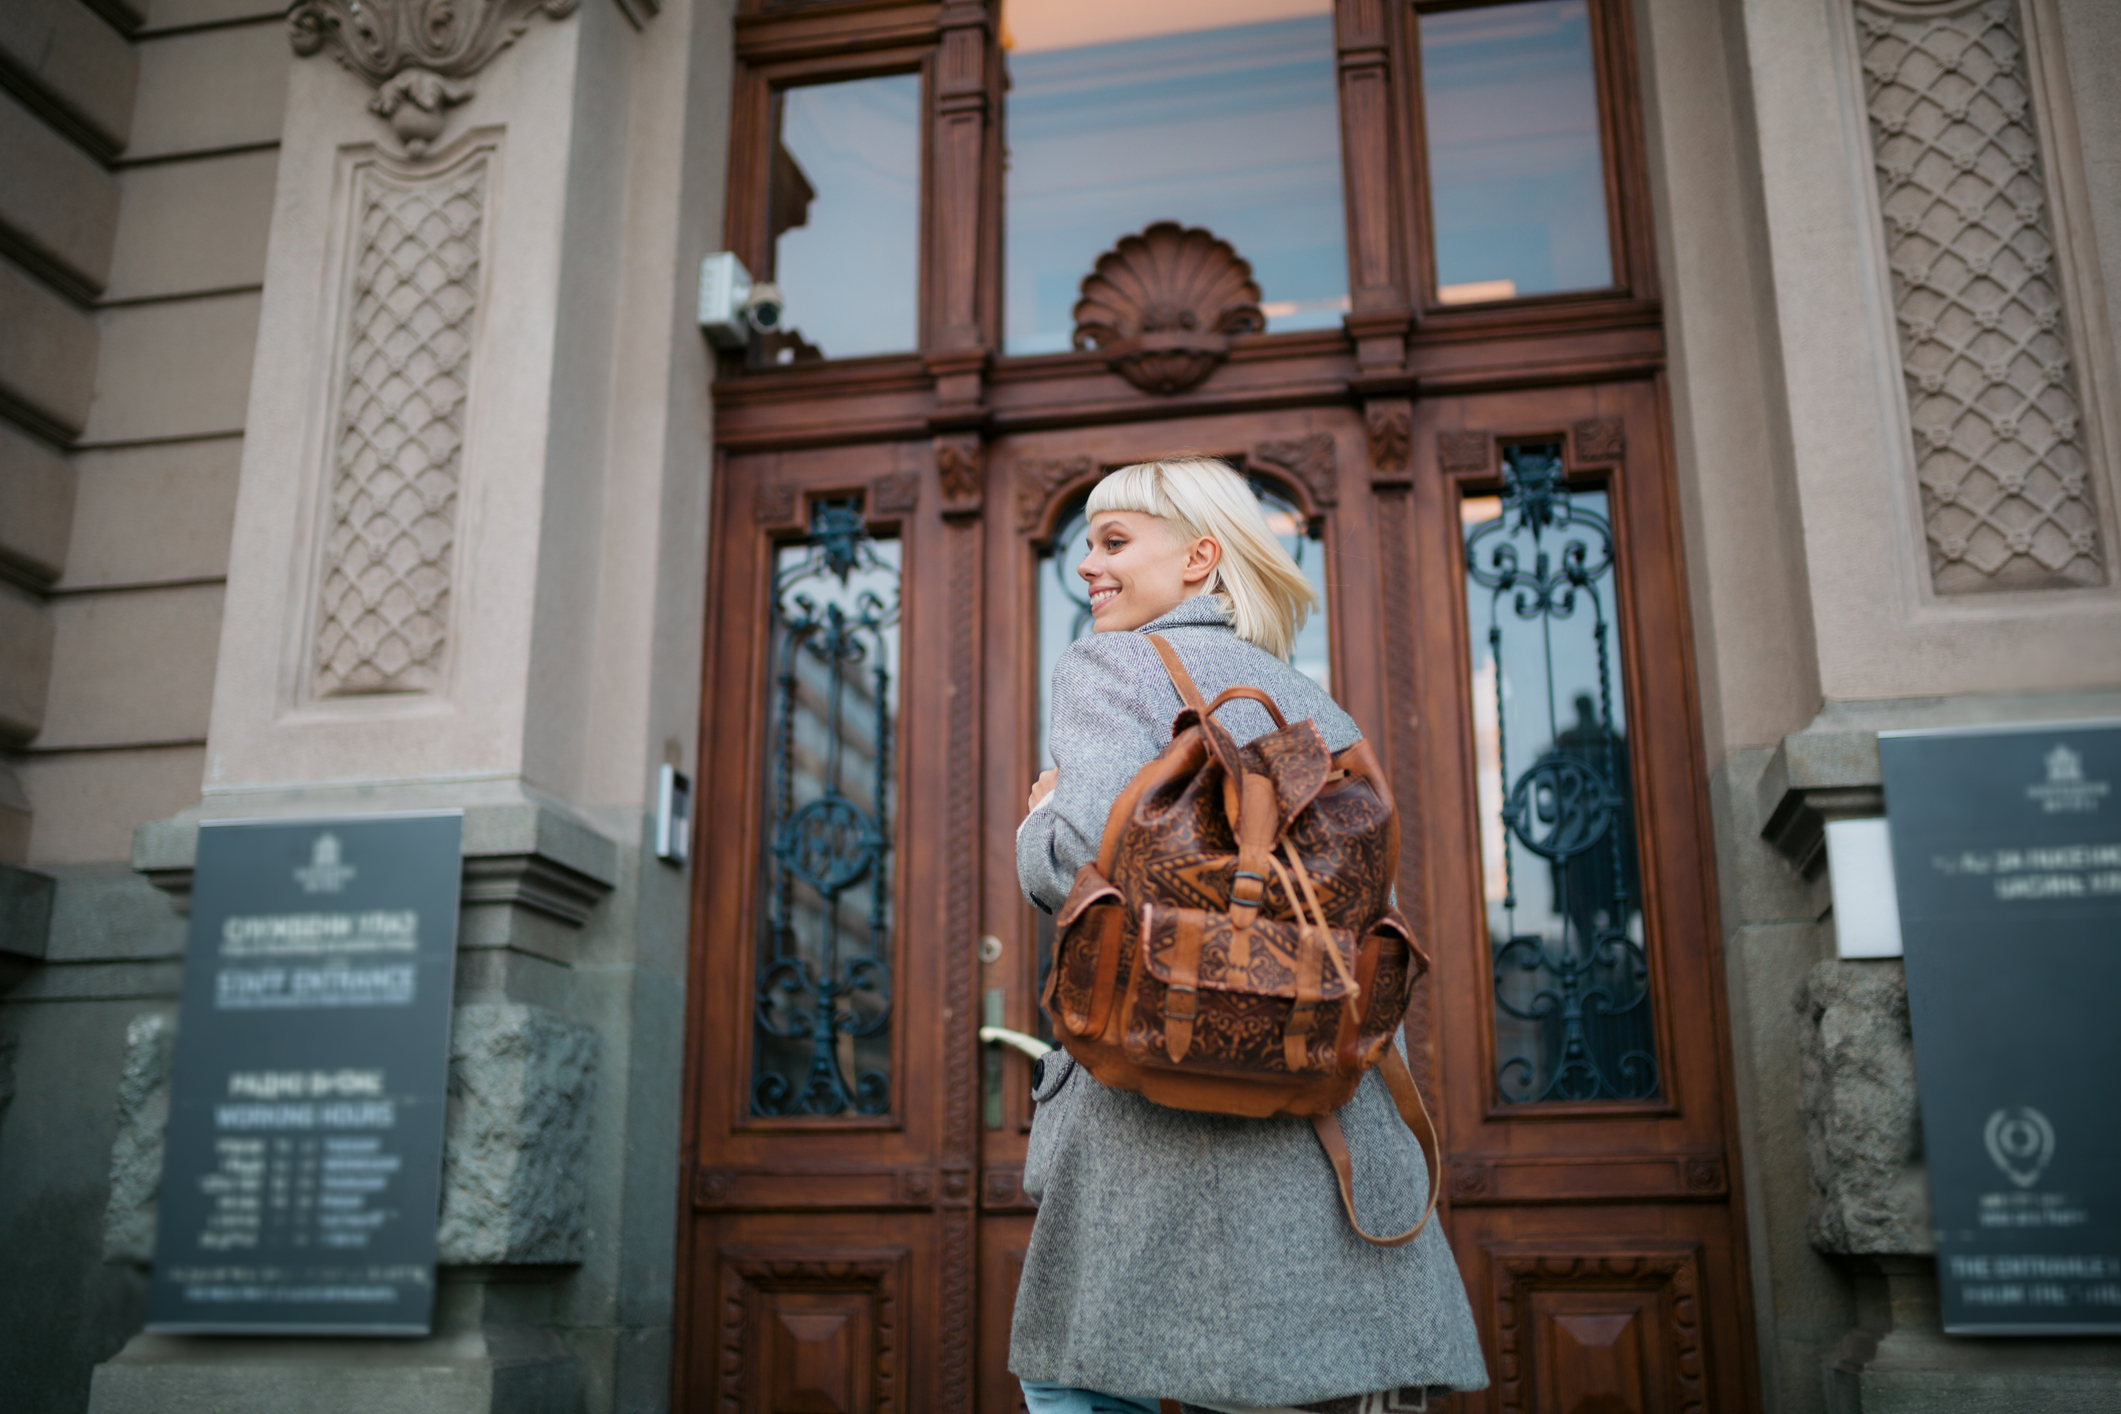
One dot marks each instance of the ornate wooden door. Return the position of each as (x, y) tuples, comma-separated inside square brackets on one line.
[(1473, 465), (834, 1162)]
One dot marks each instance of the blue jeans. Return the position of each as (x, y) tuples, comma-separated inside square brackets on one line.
[(1045, 1397)]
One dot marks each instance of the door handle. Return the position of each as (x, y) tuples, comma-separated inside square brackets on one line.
[(1017, 1040)]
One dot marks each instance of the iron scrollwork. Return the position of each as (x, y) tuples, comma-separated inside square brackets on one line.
[(1573, 995), (822, 1003)]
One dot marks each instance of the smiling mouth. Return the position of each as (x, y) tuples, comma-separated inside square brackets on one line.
[(1099, 597)]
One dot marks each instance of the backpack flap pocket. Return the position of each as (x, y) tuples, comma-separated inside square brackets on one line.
[(1208, 996), (1088, 955), (1388, 966)]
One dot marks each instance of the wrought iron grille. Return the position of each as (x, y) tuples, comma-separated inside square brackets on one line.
[(1572, 999), (821, 1035)]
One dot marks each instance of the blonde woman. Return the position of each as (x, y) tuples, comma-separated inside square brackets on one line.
[(1198, 1258)]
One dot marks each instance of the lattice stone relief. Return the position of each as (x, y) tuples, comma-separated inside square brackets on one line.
[(383, 619), (1999, 442)]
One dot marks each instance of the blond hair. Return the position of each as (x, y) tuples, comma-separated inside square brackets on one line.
[(1267, 595)]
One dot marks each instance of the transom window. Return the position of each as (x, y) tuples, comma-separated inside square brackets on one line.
[(1204, 112), (1517, 192), (1107, 117)]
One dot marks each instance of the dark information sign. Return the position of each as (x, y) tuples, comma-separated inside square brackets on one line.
[(301, 1177), (2007, 858)]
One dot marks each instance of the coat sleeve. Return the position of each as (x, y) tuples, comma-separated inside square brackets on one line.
[(1105, 727)]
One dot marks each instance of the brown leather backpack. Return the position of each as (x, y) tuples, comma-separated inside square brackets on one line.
[(1234, 948)]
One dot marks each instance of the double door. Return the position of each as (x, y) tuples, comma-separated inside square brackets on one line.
[(1505, 619)]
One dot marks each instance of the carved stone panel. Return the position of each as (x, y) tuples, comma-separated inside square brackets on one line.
[(398, 442), (812, 1330), (1618, 1333), (1161, 306), (1992, 396)]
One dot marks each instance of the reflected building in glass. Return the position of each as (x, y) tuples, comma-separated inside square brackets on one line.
[(1557, 817), (822, 1023), (844, 219)]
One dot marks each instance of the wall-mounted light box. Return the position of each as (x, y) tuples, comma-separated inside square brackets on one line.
[(1859, 861)]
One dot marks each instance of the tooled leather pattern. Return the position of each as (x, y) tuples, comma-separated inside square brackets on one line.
[(1075, 961), (1234, 1033), (1240, 1014), (1177, 851), (1297, 760), (1270, 969)]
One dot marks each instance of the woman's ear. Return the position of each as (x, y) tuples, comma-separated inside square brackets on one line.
[(1201, 559)]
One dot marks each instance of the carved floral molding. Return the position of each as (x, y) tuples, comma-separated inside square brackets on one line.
[(1162, 305), (416, 53)]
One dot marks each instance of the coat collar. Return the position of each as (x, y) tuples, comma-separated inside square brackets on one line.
[(1201, 611)]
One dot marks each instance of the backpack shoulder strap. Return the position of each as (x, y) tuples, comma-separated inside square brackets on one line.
[(1412, 1113), (1188, 693)]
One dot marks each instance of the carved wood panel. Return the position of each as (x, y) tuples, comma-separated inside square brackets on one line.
[(805, 1332), (1162, 305), (809, 1189), (1611, 1333)]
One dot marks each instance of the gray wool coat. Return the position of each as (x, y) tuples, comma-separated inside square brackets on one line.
[(1200, 1257)]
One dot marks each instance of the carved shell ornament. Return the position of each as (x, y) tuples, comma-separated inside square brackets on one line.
[(415, 52), (1162, 305)]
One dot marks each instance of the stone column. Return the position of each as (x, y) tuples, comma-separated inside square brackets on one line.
[(466, 574)]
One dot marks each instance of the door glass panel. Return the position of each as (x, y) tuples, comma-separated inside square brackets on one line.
[(822, 1017), (1516, 177), (1215, 113), (1557, 814), (844, 219)]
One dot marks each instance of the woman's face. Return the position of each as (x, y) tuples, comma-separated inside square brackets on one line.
[(1138, 569)]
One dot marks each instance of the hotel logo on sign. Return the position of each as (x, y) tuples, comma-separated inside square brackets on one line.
[(2065, 791)]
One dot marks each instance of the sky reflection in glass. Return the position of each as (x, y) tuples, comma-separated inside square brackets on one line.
[(1234, 129), (850, 271), (1516, 176)]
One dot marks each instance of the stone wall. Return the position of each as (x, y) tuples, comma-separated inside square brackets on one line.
[(1862, 1131), (138, 148), (141, 148)]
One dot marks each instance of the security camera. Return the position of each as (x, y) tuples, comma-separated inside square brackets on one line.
[(725, 286), (764, 308)]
